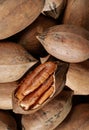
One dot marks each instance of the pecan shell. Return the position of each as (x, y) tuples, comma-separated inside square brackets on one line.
[(39, 87), (51, 115)]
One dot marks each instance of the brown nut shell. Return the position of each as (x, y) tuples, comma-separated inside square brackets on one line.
[(77, 78), (77, 13), (28, 36), (78, 119), (17, 15), (51, 114), (14, 61), (7, 122), (41, 80), (65, 46), (69, 28), (54, 8), (6, 90)]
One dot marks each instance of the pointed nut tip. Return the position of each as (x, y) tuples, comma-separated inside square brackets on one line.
[(41, 37)]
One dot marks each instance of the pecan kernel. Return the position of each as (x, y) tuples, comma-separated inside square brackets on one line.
[(39, 86)]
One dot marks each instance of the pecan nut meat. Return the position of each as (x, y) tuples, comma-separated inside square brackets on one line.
[(39, 87)]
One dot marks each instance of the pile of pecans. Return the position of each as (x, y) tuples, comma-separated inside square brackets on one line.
[(44, 65)]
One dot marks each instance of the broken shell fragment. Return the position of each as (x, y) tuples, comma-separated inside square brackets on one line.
[(51, 114), (39, 87), (54, 8), (77, 78), (14, 61)]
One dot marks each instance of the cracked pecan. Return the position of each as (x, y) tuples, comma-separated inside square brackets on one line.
[(37, 87)]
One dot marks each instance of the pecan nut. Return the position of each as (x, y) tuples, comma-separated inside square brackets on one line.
[(37, 87)]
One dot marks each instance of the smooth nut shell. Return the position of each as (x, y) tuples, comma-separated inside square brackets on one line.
[(71, 29), (65, 46), (6, 90), (51, 114), (17, 15), (77, 13), (14, 62), (78, 119), (77, 78)]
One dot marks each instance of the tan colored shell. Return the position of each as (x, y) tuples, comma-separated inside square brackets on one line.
[(69, 28), (17, 15), (54, 8), (14, 61), (78, 119), (6, 90), (28, 37), (77, 78), (50, 115), (7, 122), (66, 46), (77, 13)]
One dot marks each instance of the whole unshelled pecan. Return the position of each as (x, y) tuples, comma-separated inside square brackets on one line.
[(50, 115), (37, 87)]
